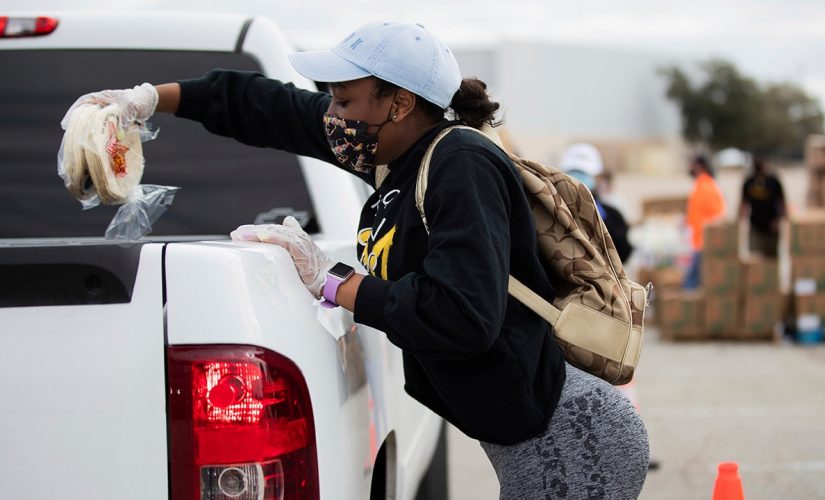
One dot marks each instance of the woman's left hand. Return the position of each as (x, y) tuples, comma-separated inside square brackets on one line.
[(310, 261)]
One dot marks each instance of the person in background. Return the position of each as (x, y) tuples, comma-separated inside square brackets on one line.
[(763, 204), (704, 206), (584, 162)]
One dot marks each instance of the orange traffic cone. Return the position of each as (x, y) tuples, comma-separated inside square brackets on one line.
[(728, 484)]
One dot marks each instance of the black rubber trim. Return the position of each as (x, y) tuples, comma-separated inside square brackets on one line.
[(163, 276), (68, 274), (242, 36)]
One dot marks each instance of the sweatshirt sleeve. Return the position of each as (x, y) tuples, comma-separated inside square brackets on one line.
[(454, 308), (258, 111)]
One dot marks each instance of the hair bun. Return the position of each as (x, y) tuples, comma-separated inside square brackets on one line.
[(471, 104)]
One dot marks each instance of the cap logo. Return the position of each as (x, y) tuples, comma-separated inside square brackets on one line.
[(356, 43)]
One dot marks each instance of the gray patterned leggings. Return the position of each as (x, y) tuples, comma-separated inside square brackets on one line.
[(595, 447)]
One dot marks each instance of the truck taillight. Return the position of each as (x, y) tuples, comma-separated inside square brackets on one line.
[(240, 426), (13, 27)]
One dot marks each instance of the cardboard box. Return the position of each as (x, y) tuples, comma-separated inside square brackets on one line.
[(721, 315), (664, 205), (809, 304), (680, 314), (643, 275), (667, 278), (760, 314), (720, 275), (721, 239), (808, 233), (810, 268), (787, 305), (759, 275), (815, 152), (816, 188)]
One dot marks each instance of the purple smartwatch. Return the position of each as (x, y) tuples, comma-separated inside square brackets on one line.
[(337, 274)]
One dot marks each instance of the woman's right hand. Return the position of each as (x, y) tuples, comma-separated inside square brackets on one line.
[(310, 261), (137, 104)]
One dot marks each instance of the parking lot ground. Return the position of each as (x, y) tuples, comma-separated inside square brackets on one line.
[(760, 404)]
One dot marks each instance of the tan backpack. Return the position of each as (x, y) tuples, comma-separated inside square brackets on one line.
[(597, 314)]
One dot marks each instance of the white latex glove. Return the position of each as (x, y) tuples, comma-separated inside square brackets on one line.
[(310, 261), (137, 104)]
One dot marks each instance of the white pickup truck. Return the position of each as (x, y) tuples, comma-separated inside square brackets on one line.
[(183, 365)]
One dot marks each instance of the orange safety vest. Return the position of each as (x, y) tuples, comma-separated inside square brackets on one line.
[(705, 205)]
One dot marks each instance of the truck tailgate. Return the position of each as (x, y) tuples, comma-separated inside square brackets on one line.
[(82, 382)]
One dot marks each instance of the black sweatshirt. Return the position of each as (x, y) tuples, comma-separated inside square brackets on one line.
[(616, 228), (472, 353)]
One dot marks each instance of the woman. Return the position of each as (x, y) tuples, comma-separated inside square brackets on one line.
[(472, 354)]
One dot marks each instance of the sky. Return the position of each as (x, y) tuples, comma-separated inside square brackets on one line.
[(770, 40)]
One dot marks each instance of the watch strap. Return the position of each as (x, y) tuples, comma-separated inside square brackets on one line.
[(337, 274), (330, 290)]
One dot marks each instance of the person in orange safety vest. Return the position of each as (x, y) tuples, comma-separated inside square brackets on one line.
[(704, 206)]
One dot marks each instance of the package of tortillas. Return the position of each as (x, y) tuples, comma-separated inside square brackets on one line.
[(101, 161)]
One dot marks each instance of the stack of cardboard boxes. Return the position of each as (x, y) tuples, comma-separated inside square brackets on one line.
[(760, 299), (721, 280), (739, 298), (807, 249)]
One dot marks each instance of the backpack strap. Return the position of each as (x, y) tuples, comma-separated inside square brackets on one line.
[(424, 171), (381, 173), (533, 301), (517, 289)]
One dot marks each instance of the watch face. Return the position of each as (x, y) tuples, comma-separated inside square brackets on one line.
[(341, 270)]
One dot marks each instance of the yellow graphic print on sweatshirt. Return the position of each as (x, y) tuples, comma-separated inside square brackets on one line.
[(377, 255)]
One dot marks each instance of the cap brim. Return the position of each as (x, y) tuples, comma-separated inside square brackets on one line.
[(325, 66)]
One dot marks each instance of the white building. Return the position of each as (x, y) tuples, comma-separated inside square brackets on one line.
[(555, 94)]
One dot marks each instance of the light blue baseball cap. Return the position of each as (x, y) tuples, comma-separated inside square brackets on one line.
[(405, 54)]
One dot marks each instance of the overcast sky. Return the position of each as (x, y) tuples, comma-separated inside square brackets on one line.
[(768, 39)]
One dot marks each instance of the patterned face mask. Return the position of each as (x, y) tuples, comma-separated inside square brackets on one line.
[(353, 146)]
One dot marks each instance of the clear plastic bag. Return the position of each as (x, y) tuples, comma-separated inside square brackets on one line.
[(134, 218), (101, 162)]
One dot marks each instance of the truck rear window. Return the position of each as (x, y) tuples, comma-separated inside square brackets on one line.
[(223, 183)]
